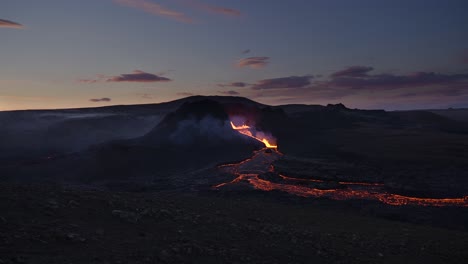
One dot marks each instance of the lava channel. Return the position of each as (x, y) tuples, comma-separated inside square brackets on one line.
[(249, 171)]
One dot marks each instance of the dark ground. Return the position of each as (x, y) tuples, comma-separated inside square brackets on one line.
[(76, 187), (55, 225)]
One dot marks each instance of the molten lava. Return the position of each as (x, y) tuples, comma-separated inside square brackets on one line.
[(246, 130), (249, 172)]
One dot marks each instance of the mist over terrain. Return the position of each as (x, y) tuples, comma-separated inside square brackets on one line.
[(42, 132), (145, 144), (372, 166)]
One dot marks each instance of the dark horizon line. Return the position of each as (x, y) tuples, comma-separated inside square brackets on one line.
[(191, 96)]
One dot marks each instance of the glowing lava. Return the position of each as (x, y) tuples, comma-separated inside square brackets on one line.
[(359, 192), (249, 173), (246, 130)]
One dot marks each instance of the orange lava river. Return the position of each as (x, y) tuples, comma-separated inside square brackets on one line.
[(249, 172), (245, 130)]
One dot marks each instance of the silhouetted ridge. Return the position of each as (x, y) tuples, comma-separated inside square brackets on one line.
[(202, 123), (195, 136), (195, 111), (339, 106)]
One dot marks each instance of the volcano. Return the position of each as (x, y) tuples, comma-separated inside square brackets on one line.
[(172, 178), (197, 135), (319, 143), (200, 123)]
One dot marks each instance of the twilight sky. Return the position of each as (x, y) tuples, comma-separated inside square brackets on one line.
[(400, 54)]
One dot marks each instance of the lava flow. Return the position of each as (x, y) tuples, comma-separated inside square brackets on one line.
[(246, 130), (249, 172)]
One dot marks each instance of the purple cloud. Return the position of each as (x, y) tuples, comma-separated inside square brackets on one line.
[(361, 86), (214, 9), (283, 83), (434, 92), (234, 84), (10, 24), (222, 10), (97, 100), (253, 62), (231, 92), (138, 76), (353, 71), (391, 81), (155, 9)]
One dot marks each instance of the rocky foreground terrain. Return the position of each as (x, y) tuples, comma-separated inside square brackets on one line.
[(41, 224)]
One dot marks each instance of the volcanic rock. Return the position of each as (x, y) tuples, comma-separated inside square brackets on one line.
[(201, 123)]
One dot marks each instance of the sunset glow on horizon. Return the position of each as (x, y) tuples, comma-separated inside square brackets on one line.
[(365, 54)]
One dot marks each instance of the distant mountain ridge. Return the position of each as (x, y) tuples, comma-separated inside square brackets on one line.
[(165, 107), (157, 144)]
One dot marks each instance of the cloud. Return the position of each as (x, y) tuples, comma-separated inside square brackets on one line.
[(231, 92), (412, 85), (97, 100), (214, 9), (138, 76), (246, 51), (359, 87), (234, 84), (222, 10), (356, 81), (392, 81), (283, 83), (10, 24), (155, 9), (353, 71), (253, 62), (434, 92)]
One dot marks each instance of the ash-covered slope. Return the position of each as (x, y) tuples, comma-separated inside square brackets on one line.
[(201, 123), (32, 134), (196, 136)]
